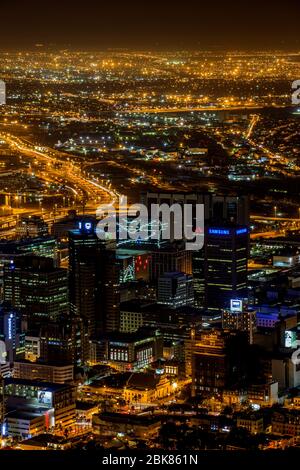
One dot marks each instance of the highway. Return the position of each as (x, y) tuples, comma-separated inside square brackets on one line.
[(275, 219), (190, 109), (55, 167), (51, 166)]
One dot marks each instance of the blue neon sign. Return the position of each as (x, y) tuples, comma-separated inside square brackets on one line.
[(218, 231), (241, 230)]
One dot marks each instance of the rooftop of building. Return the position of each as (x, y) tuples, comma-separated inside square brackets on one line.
[(136, 380), (136, 305), (41, 264), (284, 414), (23, 415), (152, 246), (142, 381), (174, 275), (44, 439), (132, 419), (141, 334), (249, 415), (287, 251), (47, 386), (85, 405), (41, 364), (15, 247), (150, 306)]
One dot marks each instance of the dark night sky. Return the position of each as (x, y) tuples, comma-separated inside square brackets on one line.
[(145, 24)]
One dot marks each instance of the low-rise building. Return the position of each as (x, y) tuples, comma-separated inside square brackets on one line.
[(140, 427), (32, 348), (254, 423), (25, 424), (146, 388), (55, 402), (286, 422), (135, 388), (85, 410), (128, 351), (46, 442), (45, 372)]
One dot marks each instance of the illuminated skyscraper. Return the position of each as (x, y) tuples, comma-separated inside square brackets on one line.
[(175, 290), (219, 361), (35, 286), (11, 337), (31, 227), (225, 265), (94, 277), (64, 341)]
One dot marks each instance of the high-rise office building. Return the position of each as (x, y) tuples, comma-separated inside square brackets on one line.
[(11, 249), (64, 341), (175, 290), (35, 286), (239, 317), (169, 257), (31, 227), (218, 209), (94, 279), (225, 265), (232, 208), (219, 361), (11, 336), (198, 277)]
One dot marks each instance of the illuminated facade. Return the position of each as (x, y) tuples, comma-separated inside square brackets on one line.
[(11, 334), (216, 364), (110, 424), (46, 372), (31, 227), (35, 286), (175, 290), (146, 389), (225, 265), (56, 402), (169, 257), (134, 351), (244, 320), (94, 279)]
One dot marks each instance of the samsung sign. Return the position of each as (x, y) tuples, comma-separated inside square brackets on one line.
[(218, 231), (225, 231)]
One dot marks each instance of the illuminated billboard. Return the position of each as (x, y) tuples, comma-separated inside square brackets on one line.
[(44, 398), (290, 338), (236, 305)]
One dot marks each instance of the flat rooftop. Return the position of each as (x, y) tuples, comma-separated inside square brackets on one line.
[(52, 387)]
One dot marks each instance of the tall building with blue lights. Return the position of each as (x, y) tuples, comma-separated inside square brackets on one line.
[(11, 336), (225, 265)]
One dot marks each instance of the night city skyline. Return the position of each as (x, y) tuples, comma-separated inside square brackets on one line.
[(149, 232)]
